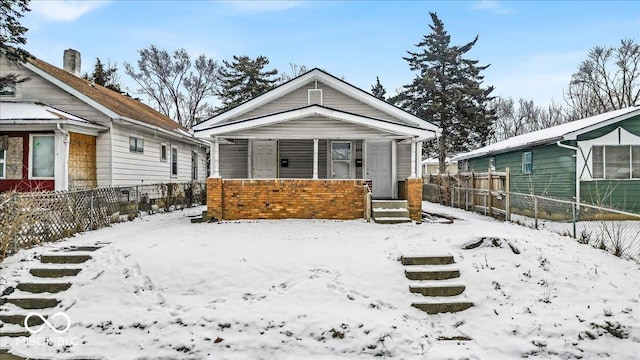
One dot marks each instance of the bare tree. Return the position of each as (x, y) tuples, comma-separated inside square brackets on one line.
[(176, 86), (514, 120), (608, 79), (296, 70)]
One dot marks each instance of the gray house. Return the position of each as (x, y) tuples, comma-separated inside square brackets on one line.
[(319, 129)]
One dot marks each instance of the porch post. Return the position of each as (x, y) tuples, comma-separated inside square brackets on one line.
[(419, 159), (315, 159), (215, 158), (413, 158)]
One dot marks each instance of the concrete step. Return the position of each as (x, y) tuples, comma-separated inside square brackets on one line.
[(389, 204), (18, 319), (432, 275), (427, 260), (437, 308), (381, 213), (36, 288), (53, 272), (12, 334), (84, 248), (451, 290), (392, 220), (33, 303), (64, 259)]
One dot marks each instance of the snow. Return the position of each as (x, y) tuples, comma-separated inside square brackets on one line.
[(163, 288), (11, 110), (553, 133)]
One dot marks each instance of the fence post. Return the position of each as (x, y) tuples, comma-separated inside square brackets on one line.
[(573, 218), (137, 200), (507, 200), (472, 182), (485, 204), (91, 210), (490, 200), (535, 210), (452, 197)]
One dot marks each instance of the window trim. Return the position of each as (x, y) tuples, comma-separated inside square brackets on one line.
[(31, 177), (3, 164), (527, 170), (194, 165), (604, 163), (138, 149), (176, 162), (12, 93), (166, 153)]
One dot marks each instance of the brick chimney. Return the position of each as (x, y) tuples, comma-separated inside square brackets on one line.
[(71, 61)]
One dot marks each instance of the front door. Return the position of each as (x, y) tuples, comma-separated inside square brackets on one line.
[(264, 159), (341, 155), (379, 168)]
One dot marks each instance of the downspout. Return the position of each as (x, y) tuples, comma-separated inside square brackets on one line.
[(575, 149), (65, 159)]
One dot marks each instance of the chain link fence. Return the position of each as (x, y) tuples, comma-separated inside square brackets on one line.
[(609, 229), (28, 219)]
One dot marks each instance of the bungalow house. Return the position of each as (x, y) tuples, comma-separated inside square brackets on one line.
[(310, 148), (431, 166), (594, 160), (61, 132)]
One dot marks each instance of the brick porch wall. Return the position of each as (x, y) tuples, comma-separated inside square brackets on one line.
[(285, 199), (413, 188)]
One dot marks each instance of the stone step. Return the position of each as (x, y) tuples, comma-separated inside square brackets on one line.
[(389, 204), (381, 213), (427, 260), (432, 275), (64, 259), (392, 220), (12, 334), (18, 319), (451, 290), (437, 308), (33, 303), (84, 248), (36, 288), (53, 272)]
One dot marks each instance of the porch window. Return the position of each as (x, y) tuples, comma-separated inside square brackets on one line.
[(174, 161), (341, 153), (8, 90), (616, 162), (527, 162), (136, 144), (42, 157), (163, 152), (3, 161)]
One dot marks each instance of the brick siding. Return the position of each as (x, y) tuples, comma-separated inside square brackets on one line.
[(413, 188)]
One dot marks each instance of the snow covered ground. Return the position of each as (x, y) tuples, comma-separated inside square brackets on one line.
[(162, 287)]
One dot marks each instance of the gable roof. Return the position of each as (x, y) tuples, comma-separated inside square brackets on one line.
[(567, 131), (107, 101), (329, 80), (29, 112)]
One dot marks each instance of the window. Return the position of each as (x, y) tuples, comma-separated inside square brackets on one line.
[(616, 162), (163, 152), (3, 161), (315, 97), (527, 163), (492, 163), (42, 160), (194, 166), (136, 144), (8, 90), (174, 161)]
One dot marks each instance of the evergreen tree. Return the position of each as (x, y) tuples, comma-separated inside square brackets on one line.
[(12, 37), (243, 79), (447, 90), (378, 90), (107, 77)]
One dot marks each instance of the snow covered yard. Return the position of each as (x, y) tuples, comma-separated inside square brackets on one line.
[(162, 287)]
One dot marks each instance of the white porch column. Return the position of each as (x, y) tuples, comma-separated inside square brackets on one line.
[(315, 159), (413, 158), (419, 159), (61, 159), (214, 159)]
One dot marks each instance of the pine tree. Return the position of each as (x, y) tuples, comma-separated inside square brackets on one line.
[(243, 79), (378, 90), (107, 77), (12, 37), (447, 90)]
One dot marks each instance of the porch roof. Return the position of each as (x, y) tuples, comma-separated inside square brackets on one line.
[(325, 118), (21, 113)]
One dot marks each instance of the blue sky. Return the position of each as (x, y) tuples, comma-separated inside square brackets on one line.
[(532, 46)]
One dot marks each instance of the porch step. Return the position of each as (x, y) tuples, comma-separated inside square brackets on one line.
[(54, 273), (448, 290), (392, 220), (382, 213), (64, 259), (36, 288), (12, 334), (19, 320), (389, 204), (33, 303), (427, 260), (437, 308), (432, 275), (390, 211)]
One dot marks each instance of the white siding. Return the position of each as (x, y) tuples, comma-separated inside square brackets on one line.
[(103, 159), (233, 160), (404, 161), (309, 128)]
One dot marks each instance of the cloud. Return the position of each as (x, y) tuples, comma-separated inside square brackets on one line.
[(64, 10), (493, 6), (264, 5)]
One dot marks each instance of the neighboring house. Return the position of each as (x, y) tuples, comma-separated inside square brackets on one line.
[(431, 166), (89, 135), (594, 160), (321, 138)]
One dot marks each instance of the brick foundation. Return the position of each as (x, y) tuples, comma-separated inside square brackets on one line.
[(413, 190), (285, 199)]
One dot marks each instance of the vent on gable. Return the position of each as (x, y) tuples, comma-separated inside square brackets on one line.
[(315, 96)]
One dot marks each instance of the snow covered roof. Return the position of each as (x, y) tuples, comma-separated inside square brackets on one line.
[(435, 161), (567, 131), (34, 112)]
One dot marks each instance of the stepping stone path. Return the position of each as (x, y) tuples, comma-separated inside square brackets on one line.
[(54, 277), (435, 279)]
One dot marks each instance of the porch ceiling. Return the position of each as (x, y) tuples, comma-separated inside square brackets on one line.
[(315, 121)]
